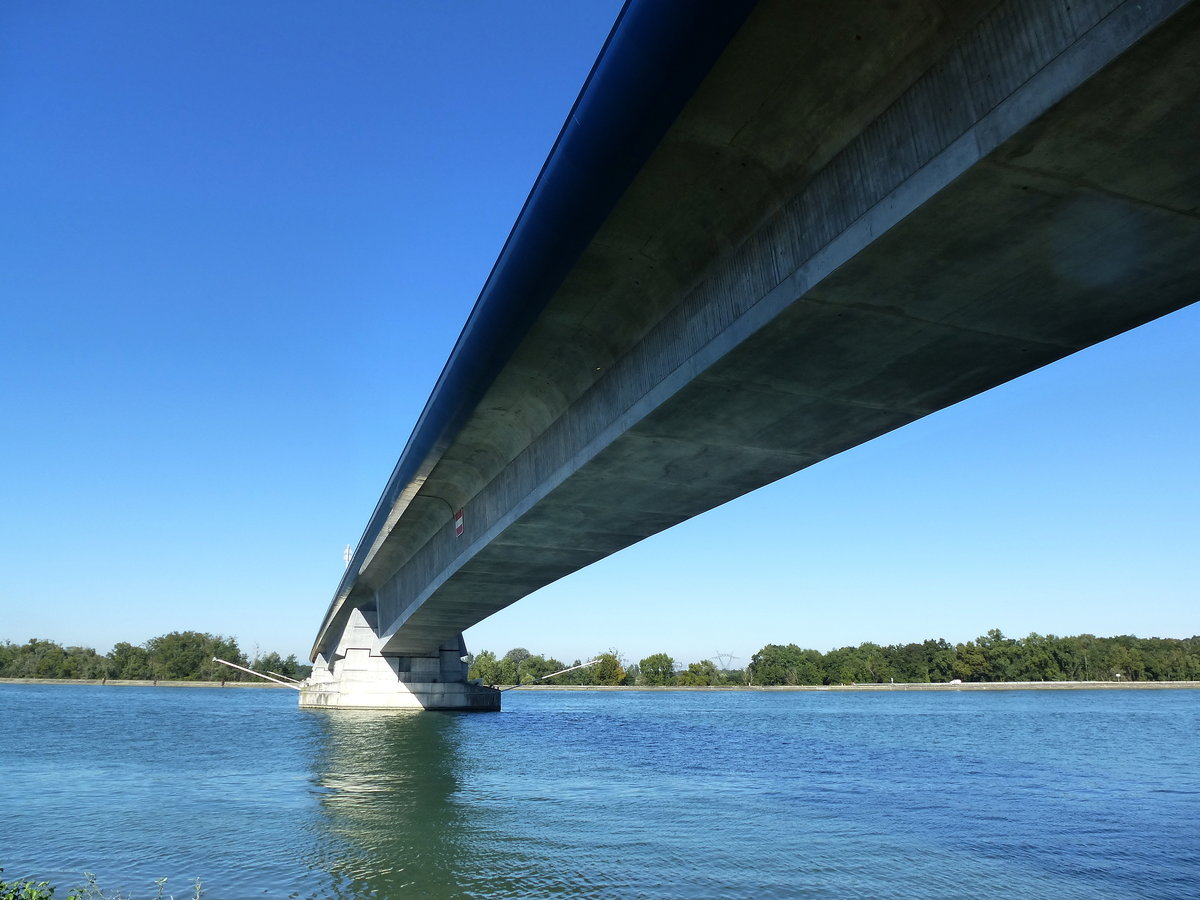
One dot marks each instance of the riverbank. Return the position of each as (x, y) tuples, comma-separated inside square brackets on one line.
[(114, 682), (910, 686)]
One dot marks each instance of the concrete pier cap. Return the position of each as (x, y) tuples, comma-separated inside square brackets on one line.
[(357, 675)]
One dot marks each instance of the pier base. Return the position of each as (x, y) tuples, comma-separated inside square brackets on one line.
[(357, 676)]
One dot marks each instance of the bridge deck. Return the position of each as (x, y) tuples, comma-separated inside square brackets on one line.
[(859, 217)]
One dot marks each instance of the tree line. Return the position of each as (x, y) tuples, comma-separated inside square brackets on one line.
[(990, 657), (178, 656), (187, 656), (519, 666)]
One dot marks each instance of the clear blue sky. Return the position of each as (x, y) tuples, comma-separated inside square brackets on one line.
[(238, 242)]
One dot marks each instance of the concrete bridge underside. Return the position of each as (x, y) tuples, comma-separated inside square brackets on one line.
[(860, 214)]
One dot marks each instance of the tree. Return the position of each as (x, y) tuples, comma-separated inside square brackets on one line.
[(776, 664), (842, 666), (485, 667), (657, 669), (769, 666), (579, 676), (907, 662), (735, 676), (293, 668), (37, 659), (512, 665), (226, 649), (82, 662), (1034, 659), (1126, 661), (129, 663), (876, 667), (271, 662), (188, 655), (940, 657), (537, 667), (699, 674), (999, 653), (608, 669), (177, 656), (969, 662)]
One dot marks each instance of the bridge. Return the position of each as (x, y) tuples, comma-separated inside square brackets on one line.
[(767, 233)]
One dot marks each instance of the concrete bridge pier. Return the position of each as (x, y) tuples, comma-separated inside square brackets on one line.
[(357, 675)]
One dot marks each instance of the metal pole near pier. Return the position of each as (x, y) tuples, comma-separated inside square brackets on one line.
[(225, 662), (590, 662)]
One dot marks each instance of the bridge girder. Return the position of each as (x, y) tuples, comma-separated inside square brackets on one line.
[(861, 215)]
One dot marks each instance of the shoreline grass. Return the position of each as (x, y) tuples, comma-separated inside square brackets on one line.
[(28, 889)]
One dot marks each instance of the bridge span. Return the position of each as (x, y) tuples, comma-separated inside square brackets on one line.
[(767, 233)]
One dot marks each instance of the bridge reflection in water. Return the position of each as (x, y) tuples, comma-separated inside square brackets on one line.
[(667, 795), (387, 783)]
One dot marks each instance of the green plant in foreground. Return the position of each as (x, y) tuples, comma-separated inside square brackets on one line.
[(25, 890), (90, 890)]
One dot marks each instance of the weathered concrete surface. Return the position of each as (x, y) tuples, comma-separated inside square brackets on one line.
[(866, 213), (355, 675)]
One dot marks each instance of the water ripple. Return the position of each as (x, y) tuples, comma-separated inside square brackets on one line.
[(1071, 795)]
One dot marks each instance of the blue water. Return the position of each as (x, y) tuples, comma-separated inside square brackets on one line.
[(655, 795)]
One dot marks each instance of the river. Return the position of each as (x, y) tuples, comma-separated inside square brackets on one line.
[(631, 795)]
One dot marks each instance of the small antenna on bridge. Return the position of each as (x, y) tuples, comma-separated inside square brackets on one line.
[(347, 554)]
